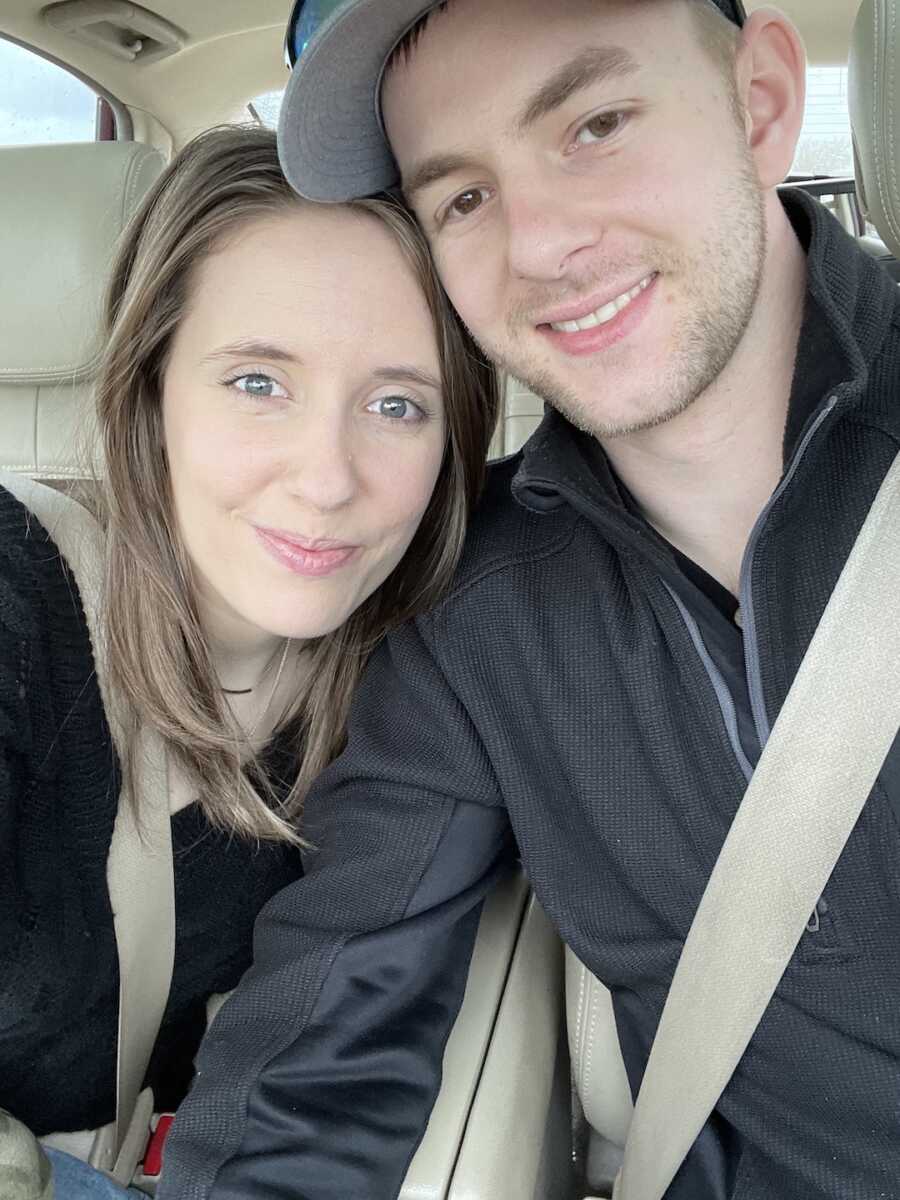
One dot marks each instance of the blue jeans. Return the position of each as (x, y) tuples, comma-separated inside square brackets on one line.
[(75, 1180)]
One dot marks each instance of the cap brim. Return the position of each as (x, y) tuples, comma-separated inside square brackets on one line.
[(330, 141)]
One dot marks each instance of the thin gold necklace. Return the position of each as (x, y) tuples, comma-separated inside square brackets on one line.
[(247, 691), (253, 728)]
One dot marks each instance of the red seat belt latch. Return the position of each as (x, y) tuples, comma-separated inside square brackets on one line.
[(153, 1155)]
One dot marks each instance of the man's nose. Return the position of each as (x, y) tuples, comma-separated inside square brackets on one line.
[(546, 234)]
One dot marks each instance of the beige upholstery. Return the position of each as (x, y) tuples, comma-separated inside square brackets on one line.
[(499, 1128), (874, 97), (62, 209), (599, 1075), (519, 417), (598, 1072), (523, 414)]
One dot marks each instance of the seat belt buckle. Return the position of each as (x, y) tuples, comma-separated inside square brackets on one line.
[(151, 1167)]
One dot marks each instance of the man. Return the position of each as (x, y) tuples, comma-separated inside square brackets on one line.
[(597, 179)]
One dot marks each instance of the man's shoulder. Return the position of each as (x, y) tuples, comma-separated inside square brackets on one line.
[(505, 533)]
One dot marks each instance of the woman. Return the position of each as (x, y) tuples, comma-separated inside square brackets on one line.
[(295, 427)]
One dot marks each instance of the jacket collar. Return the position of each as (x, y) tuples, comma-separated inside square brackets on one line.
[(847, 292)]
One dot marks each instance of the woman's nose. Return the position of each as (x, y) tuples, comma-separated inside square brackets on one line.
[(321, 471)]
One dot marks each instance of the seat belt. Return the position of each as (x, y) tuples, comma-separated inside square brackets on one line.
[(821, 761), (139, 867)]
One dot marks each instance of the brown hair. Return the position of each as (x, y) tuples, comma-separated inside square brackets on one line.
[(158, 657), (718, 36)]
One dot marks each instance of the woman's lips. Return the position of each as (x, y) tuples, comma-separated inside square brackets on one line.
[(313, 559)]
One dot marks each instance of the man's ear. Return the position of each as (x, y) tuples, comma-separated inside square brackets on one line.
[(770, 71)]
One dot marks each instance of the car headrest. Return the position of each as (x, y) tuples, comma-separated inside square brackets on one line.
[(62, 210), (874, 94)]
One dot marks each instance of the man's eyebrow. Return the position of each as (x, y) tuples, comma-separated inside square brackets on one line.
[(407, 374), (252, 348), (433, 170), (591, 66)]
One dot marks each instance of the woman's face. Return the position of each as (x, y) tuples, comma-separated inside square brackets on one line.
[(304, 422)]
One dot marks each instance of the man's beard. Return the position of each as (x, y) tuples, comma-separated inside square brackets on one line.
[(720, 284)]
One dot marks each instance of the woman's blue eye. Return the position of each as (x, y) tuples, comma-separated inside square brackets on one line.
[(258, 385), (397, 408)]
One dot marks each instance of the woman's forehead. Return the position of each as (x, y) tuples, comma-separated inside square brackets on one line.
[(315, 278)]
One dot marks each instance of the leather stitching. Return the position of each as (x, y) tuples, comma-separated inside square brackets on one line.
[(579, 1026), (891, 83), (592, 1035), (885, 167)]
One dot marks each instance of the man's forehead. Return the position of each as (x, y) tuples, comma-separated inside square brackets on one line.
[(480, 59), (467, 21)]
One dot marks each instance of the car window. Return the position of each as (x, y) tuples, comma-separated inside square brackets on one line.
[(825, 146), (42, 102), (265, 108)]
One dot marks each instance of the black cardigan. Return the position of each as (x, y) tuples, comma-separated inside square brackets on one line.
[(59, 785)]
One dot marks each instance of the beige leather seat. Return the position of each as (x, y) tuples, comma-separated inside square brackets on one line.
[(521, 415), (500, 1128), (62, 208), (874, 98)]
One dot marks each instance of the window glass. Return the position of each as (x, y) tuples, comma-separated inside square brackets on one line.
[(42, 102), (265, 108), (825, 146)]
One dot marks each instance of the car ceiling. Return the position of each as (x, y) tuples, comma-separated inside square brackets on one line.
[(233, 51)]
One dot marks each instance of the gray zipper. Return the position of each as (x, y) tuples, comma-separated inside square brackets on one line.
[(723, 695), (748, 612)]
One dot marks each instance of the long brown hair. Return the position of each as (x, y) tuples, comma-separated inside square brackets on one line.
[(159, 660)]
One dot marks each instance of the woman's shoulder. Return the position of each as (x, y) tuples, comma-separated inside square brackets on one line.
[(36, 588), (21, 531)]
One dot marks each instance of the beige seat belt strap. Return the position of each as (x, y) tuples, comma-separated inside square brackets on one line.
[(809, 788), (139, 867)]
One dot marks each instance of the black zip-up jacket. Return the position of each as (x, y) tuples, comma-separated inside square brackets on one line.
[(561, 689)]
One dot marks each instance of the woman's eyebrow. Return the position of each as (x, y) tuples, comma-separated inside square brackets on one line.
[(402, 373), (252, 348)]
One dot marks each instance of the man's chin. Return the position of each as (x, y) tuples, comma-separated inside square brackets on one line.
[(591, 411)]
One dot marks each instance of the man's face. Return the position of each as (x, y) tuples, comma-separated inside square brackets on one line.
[(584, 180)]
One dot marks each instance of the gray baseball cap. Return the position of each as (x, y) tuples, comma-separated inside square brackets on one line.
[(331, 140)]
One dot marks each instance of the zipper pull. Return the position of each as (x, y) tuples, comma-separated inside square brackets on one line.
[(814, 924)]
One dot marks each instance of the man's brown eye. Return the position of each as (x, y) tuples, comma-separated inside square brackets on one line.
[(466, 203), (598, 128)]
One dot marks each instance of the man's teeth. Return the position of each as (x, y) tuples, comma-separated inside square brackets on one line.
[(604, 314)]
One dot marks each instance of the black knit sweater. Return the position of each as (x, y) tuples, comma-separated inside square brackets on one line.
[(59, 786)]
